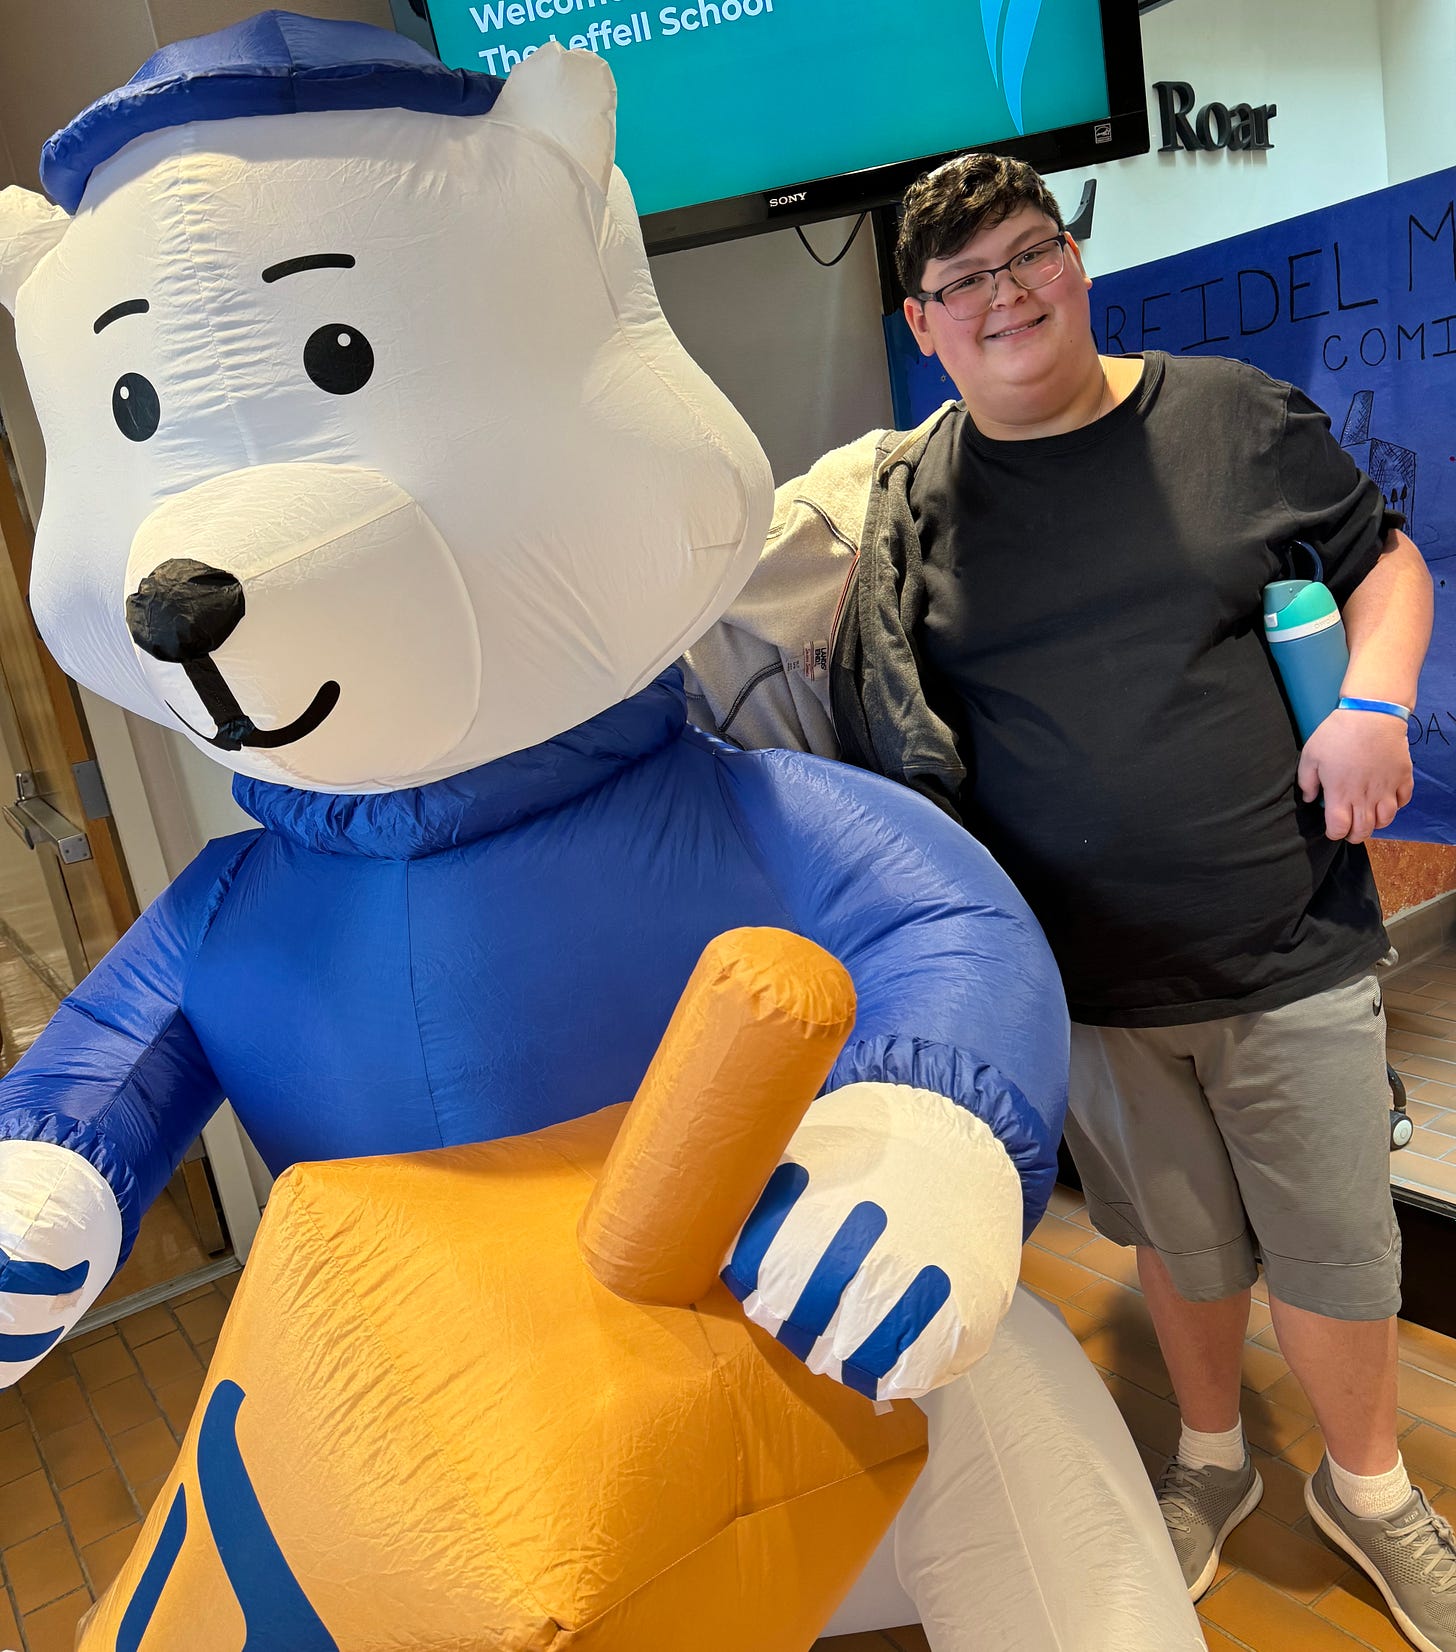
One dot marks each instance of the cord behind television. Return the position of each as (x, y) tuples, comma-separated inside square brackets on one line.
[(829, 263)]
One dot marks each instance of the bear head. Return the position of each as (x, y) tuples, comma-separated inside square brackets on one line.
[(370, 455)]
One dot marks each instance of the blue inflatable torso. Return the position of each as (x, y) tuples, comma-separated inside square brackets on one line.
[(449, 973)]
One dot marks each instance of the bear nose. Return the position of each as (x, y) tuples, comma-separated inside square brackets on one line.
[(184, 611)]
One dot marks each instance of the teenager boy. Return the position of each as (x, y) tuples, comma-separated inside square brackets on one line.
[(1053, 627)]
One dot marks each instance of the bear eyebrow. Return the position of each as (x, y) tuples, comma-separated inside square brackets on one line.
[(311, 261), (131, 306)]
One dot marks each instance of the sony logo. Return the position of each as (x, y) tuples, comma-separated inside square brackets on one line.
[(788, 200)]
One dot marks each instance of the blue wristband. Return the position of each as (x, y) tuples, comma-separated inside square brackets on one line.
[(1389, 707)]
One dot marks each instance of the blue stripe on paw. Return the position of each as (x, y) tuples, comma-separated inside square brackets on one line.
[(878, 1353), (810, 1316), (40, 1278), (16, 1349), (785, 1188)]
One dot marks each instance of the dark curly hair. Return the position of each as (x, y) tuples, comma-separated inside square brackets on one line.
[(945, 208)]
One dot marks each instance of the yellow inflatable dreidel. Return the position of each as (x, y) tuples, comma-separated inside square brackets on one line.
[(430, 1425)]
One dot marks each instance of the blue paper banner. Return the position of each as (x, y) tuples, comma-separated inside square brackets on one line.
[(1356, 304)]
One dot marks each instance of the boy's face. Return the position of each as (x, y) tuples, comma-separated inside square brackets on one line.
[(1018, 348)]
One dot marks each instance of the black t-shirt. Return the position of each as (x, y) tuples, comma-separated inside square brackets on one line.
[(1094, 637)]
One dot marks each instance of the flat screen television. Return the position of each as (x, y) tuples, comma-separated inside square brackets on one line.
[(737, 116)]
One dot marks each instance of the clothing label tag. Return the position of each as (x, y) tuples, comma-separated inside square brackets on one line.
[(815, 661)]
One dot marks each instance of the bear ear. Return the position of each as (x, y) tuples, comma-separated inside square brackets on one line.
[(29, 227), (569, 96)]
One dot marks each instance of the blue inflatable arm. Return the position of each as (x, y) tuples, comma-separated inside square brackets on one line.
[(958, 992), (118, 1075)]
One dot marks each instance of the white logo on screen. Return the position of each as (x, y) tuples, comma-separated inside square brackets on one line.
[(788, 200)]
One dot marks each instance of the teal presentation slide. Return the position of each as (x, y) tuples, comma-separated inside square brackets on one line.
[(725, 97)]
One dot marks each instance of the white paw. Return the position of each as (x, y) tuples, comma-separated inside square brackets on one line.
[(60, 1235), (886, 1246)]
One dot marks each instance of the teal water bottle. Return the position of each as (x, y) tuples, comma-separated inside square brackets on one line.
[(1307, 640)]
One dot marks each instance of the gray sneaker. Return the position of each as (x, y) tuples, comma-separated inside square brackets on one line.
[(1410, 1556), (1201, 1506)]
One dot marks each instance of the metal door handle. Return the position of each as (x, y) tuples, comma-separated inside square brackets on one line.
[(35, 821)]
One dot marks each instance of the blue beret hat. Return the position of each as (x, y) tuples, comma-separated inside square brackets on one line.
[(276, 63)]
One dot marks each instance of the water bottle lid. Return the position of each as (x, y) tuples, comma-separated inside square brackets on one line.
[(1298, 606)]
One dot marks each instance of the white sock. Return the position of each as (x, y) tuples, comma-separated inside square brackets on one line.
[(1225, 1450), (1371, 1495)]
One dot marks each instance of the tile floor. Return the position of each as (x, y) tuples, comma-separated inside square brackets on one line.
[(86, 1441), (88, 1437)]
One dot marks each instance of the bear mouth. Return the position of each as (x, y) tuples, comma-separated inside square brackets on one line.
[(235, 729)]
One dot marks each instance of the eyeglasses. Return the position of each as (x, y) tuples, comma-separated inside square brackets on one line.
[(971, 295)]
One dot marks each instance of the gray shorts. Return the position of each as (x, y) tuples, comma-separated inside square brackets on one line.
[(1261, 1137)]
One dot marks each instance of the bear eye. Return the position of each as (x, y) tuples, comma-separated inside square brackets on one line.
[(338, 358), (135, 407)]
